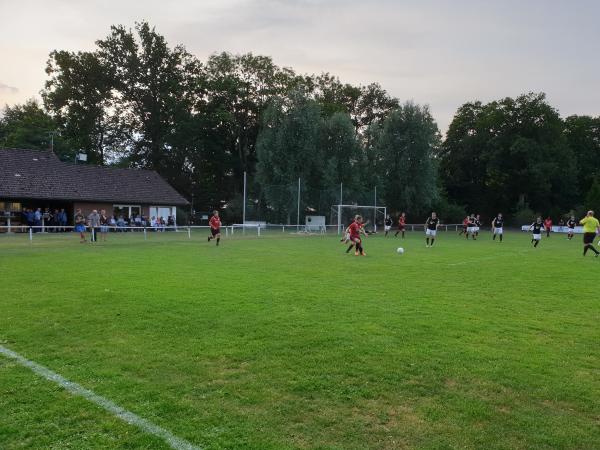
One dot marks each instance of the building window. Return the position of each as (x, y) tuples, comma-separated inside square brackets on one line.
[(126, 211), (163, 211)]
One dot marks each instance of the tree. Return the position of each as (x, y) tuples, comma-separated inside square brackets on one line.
[(29, 126), (583, 137), (287, 149), (592, 199), (405, 156), (507, 153), (79, 97)]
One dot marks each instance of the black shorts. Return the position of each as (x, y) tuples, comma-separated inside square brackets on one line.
[(215, 231), (588, 238)]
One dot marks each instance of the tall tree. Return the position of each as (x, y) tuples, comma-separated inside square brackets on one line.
[(405, 153), (508, 154), (583, 137), (79, 96), (29, 126)]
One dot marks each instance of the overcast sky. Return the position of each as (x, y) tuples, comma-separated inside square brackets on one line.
[(440, 53)]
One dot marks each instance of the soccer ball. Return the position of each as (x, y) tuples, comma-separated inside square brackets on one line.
[(400, 250)]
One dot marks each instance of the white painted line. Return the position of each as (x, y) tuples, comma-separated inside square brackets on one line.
[(116, 410)]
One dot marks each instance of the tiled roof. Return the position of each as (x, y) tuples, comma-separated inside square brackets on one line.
[(36, 174)]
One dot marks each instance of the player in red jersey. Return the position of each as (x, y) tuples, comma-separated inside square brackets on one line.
[(215, 227), (401, 225), (355, 229)]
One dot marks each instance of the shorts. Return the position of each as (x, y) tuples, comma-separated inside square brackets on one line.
[(401, 227), (387, 228), (498, 230), (79, 228), (537, 237), (571, 230), (215, 231), (104, 229), (476, 229), (431, 233), (470, 229), (355, 239), (588, 238)]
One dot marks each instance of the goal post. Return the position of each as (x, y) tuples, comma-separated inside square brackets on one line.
[(341, 215)]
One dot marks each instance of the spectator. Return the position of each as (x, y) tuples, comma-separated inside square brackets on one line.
[(94, 224), (103, 225), (62, 219), (37, 219)]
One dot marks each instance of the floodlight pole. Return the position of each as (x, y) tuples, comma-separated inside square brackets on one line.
[(298, 213), (244, 202), (375, 211), (340, 208)]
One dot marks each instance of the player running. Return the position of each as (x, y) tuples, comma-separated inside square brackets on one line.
[(355, 229), (536, 227), (80, 225), (497, 224), (388, 225), (465, 225), (548, 226), (477, 224), (401, 225), (431, 226), (571, 226), (215, 227), (591, 227), (470, 227)]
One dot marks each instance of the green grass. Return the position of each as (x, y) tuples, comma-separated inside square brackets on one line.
[(286, 342)]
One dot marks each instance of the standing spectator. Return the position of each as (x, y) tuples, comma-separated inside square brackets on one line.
[(103, 225), (94, 224), (30, 217), (37, 219), (80, 225), (548, 226), (62, 219)]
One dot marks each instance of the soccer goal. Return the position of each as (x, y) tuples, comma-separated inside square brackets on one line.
[(373, 216)]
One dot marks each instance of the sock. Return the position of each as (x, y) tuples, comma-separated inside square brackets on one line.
[(396, 233), (494, 237), (585, 249), (403, 235), (427, 240), (536, 243), (349, 248), (593, 249), (432, 241), (218, 239), (500, 238)]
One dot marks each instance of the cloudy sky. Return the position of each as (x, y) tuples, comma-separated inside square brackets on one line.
[(435, 52)]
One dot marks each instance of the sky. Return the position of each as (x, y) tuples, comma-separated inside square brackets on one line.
[(434, 52)]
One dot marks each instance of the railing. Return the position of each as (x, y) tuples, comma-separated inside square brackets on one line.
[(229, 230)]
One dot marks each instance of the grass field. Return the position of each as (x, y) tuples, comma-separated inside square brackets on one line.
[(285, 342)]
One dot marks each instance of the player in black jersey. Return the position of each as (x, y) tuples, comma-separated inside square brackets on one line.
[(537, 228), (471, 227), (477, 224), (571, 223), (431, 226), (388, 225), (497, 224)]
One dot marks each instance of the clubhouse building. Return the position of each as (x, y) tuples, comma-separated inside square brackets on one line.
[(32, 179)]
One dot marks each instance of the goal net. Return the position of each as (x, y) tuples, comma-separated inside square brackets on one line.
[(373, 216)]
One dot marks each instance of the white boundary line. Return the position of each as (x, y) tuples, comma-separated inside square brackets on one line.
[(116, 410)]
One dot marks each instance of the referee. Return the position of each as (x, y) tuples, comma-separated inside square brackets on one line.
[(590, 228)]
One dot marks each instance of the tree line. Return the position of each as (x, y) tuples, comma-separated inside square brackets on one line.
[(135, 101)]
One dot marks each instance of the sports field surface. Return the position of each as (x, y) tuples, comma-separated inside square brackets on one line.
[(286, 342)]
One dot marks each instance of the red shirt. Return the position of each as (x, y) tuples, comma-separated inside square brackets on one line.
[(354, 229), (548, 223), (401, 220), (215, 223), (466, 221)]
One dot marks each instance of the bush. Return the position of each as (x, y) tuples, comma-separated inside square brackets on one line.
[(523, 216), (450, 212)]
